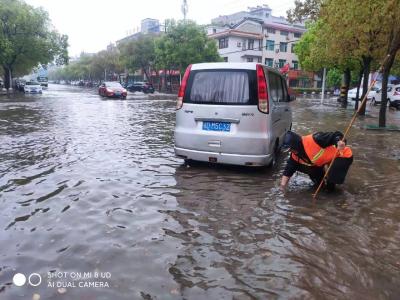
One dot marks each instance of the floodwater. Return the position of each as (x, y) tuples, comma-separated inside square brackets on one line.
[(91, 185)]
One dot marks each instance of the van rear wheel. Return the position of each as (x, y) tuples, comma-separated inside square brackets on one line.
[(275, 154), (188, 162)]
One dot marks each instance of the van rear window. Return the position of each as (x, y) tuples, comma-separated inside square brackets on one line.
[(222, 87)]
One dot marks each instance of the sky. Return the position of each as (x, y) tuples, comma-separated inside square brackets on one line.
[(93, 24)]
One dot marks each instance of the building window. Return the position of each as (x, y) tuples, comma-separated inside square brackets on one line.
[(214, 30), (223, 43), (297, 35), (282, 62), (260, 45), (249, 59), (259, 59), (250, 45), (283, 47), (269, 62), (293, 45), (270, 45), (225, 59), (295, 64), (270, 30), (285, 33)]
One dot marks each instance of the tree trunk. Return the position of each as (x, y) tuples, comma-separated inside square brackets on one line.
[(7, 77), (394, 46), (367, 67), (144, 70), (165, 80), (360, 76), (385, 79), (345, 87), (170, 81)]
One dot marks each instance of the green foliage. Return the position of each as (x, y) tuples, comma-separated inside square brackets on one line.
[(139, 54), (306, 47), (334, 78), (302, 90), (27, 38), (91, 67), (184, 43), (304, 10), (396, 66)]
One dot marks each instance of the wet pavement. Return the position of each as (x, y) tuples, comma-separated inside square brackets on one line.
[(92, 185)]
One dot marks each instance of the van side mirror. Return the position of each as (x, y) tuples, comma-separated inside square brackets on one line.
[(291, 98)]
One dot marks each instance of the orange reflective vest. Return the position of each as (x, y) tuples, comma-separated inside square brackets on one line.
[(319, 156)]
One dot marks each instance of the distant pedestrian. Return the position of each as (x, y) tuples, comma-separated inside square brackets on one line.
[(336, 92)]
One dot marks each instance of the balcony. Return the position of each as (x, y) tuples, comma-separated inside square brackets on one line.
[(251, 52)]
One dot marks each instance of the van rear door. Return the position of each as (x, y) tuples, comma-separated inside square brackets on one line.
[(220, 113)]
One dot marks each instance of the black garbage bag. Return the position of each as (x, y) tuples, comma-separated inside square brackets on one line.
[(339, 169)]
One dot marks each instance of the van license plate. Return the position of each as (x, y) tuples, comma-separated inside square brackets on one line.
[(216, 126)]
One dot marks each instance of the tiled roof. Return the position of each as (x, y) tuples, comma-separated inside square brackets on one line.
[(236, 33)]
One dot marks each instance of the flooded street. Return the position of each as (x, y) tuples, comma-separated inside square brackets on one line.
[(92, 185)]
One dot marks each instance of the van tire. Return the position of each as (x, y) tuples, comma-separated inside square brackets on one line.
[(188, 162), (275, 154)]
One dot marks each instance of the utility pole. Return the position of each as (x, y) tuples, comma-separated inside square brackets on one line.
[(184, 9)]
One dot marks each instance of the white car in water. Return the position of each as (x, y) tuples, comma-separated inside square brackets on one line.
[(378, 98), (32, 87), (353, 93)]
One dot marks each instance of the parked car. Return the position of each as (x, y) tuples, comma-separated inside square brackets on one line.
[(353, 93), (378, 96), (32, 87), (232, 113), (394, 98), (43, 81), (144, 87), (112, 89)]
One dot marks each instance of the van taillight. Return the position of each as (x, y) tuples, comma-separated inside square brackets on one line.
[(263, 103), (182, 88)]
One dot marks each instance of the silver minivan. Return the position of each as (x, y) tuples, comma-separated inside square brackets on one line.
[(232, 113)]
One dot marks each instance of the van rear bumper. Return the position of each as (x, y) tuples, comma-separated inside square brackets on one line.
[(224, 158)]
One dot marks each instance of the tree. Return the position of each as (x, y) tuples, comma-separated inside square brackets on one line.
[(107, 61), (185, 43), (359, 33), (391, 23), (317, 49), (139, 54), (304, 10), (26, 39)]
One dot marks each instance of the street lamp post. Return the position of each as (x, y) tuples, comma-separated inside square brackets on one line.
[(323, 86)]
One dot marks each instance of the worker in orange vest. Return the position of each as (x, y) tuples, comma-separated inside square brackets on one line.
[(311, 153)]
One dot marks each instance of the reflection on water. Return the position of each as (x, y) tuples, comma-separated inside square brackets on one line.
[(89, 185)]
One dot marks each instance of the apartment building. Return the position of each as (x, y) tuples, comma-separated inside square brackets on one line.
[(257, 36)]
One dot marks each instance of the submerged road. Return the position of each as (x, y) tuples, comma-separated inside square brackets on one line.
[(89, 185)]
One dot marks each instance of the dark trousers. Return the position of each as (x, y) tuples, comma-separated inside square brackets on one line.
[(316, 175)]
